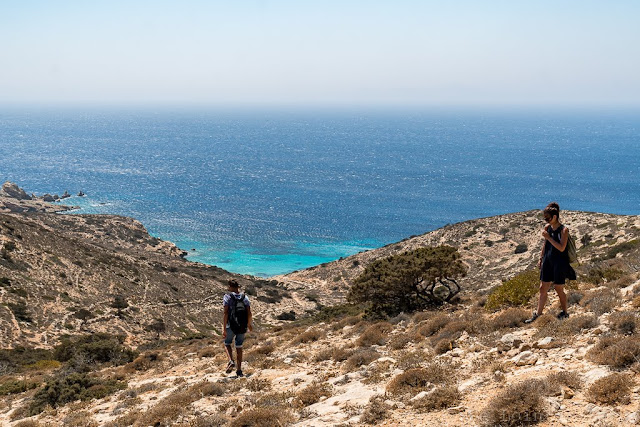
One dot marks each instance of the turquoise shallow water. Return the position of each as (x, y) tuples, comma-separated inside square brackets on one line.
[(267, 192)]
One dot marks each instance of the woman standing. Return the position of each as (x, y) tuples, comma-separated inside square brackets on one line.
[(554, 261)]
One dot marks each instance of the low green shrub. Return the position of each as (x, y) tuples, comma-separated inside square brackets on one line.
[(62, 390), (94, 348), (514, 292), (13, 386)]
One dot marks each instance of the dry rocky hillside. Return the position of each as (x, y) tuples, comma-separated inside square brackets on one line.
[(77, 274), (460, 364)]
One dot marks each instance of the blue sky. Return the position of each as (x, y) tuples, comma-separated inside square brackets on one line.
[(321, 53)]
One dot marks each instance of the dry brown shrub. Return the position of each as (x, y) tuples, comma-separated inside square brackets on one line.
[(375, 411), (274, 400), (421, 316), (440, 398), (79, 419), (323, 354), (418, 379), (636, 302), (556, 380), (375, 334), (549, 326), (400, 341), (265, 349), (510, 318), (433, 324), (144, 362), (360, 357), (621, 282), (308, 336), (172, 406), (612, 389), (313, 392), (125, 420), (358, 328), (617, 352), (263, 417), (624, 322), (216, 420), (27, 423), (412, 359), (517, 405), (259, 384), (207, 352), (340, 354), (601, 301), (347, 321), (444, 345)]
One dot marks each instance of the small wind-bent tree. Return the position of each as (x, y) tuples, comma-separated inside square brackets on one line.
[(409, 281)]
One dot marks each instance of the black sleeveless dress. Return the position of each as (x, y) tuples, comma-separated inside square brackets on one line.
[(555, 264)]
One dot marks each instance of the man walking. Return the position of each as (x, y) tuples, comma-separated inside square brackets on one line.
[(237, 319)]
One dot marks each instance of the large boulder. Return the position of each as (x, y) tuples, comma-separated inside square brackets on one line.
[(11, 190)]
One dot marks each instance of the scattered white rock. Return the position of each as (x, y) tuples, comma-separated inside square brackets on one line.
[(457, 410), (594, 375), (525, 358), (546, 343)]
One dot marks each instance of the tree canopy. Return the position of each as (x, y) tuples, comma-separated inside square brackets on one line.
[(409, 281)]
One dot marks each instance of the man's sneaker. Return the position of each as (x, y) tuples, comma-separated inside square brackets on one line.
[(532, 319), (230, 366), (563, 315), (239, 373)]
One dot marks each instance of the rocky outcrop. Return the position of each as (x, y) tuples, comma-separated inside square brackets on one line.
[(12, 191)]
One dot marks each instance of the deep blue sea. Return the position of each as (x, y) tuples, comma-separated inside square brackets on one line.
[(267, 192)]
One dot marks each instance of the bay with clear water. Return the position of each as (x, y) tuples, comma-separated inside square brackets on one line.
[(267, 192)]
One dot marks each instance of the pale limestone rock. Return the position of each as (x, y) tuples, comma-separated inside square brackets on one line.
[(525, 358), (546, 343), (456, 410), (595, 374)]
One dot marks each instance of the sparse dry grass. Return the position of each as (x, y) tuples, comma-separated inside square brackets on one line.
[(556, 380), (624, 322), (360, 357), (433, 324), (601, 301), (612, 389), (400, 341), (216, 420), (375, 411), (519, 404), (549, 326), (311, 335), (313, 392), (262, 417), (416, 380), (79, 419), (617, 352), (376, 334), (259, 384), (176, 403), (412, 359), (144, 362), (440, 398), (510, 318)]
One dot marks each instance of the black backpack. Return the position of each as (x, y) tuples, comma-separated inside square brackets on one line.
[(238, 318)]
